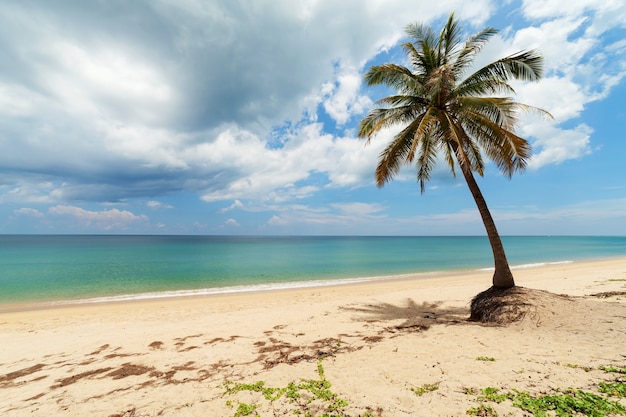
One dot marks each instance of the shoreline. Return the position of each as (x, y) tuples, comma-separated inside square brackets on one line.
[(71, 269), (252, 291), (378, 340), (255, 288)]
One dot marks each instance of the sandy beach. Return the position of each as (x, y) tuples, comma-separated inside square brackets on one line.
[(400, 347)]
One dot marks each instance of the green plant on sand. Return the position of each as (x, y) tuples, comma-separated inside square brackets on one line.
[(423, 389), (566, 403), (309, 397)]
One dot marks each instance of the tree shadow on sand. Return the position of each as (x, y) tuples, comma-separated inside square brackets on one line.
[(411, 316)]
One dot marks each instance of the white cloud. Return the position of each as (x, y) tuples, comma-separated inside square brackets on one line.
[(236, 205), (342, 99), (29, 192), (276, 221), (336, 218), (358, 209), (105, 78), (232, 222), (158, 205), (19, 101), (599, 217), (563, 98), (112, 219), (581, 67), (95, 109), (594, 217), (277, 174), (555, 146), (552, 38), (27, 212), (545, 9), (107, 111)]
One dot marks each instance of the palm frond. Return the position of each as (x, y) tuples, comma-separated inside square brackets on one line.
[(468, 148), (449, 40), (402, 100), (423, 49), (482, 84), (422, 130), (474, 156), (500, 110), (525, 66), (395, 154), (508, 151), (391, 75), (455, 137), (449, 157), (417, 60), (427, 158), (378, 119), (419, 32), (472, 46)]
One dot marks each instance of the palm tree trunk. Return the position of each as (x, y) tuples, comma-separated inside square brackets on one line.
[(502, 276)]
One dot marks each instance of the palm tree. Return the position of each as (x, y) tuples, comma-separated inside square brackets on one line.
[(443, 113)]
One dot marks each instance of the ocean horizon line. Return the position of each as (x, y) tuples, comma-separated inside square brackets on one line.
[(305, 235)]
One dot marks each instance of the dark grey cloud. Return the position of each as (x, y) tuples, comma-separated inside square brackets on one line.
[(227, 61), (108, 100)]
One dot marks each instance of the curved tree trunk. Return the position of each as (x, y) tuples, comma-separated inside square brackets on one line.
[(502, 276)]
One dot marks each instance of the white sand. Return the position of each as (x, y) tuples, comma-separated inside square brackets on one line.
[(378, 340)]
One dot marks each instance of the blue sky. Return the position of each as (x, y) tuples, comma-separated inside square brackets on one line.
[(224, 117)]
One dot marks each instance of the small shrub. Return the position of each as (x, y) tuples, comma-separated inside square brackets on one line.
[(419, 391), (245, 410), (493, 395), (585, 368), (305, 398), (613, 389), (611, 368), (482, 411), (485, 359), (568, 403)]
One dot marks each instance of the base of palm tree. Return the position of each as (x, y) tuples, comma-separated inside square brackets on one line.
[(505, 306)]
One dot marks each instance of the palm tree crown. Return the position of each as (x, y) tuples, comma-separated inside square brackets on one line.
[(443, 113)]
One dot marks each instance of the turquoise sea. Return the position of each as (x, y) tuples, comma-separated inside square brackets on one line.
[(70, 268)]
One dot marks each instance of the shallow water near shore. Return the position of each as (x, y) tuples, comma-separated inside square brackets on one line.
[(61, 268)]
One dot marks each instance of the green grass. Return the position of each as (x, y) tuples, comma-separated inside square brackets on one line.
[(584, 368), (613, 389), (315, 398), (567, 404), (563, 404), (308, 398), (611, 368), (482, 411), (245, 410), (269, 394), (485, 359), (419, 391), (493, 395)]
